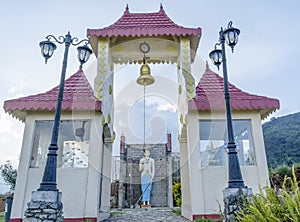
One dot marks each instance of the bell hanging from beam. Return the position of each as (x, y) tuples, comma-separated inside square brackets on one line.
[(145, 77)]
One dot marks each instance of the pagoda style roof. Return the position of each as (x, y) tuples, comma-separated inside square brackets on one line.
[(156, 24), (78, 95), (210, 96), (144, 24)]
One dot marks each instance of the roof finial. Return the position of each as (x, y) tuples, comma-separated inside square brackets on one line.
[(207, 66), (161, 7), (126, 9)]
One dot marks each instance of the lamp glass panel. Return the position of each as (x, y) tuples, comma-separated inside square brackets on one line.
[(80, 55), (217, 57), (45, 49), (83, 54), (86, 56), (51, 50), (231, 37)]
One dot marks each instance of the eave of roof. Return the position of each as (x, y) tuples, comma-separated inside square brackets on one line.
[(78, 95)]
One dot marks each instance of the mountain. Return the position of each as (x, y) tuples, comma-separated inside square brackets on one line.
[(282, 140)]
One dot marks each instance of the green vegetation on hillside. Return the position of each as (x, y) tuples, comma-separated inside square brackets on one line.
[(282, 140)]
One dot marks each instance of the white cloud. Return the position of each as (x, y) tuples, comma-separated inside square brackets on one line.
[(11, 135), (167, 107)]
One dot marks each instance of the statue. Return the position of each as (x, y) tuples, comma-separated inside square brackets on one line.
[(147, 169)]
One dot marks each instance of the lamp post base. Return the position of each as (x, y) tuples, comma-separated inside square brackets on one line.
[(44, 206), (233, 199)]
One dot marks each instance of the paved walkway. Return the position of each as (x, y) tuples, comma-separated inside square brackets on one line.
[(146, 215)]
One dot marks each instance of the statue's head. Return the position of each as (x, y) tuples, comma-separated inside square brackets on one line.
[(147, 153)]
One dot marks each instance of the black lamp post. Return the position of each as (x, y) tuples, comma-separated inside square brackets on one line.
[(47, 48), (218, 56)]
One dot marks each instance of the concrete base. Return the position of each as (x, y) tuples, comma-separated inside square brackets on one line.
[(44, 206), (233, 199), (102, 216), (186, 212)]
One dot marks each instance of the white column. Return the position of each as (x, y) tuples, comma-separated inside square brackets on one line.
[(20, 196), (94, 169), (104, 91), (186, 206)]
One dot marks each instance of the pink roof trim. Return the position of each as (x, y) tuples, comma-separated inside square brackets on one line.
[(210, 96), (78, 95), (144, 24)]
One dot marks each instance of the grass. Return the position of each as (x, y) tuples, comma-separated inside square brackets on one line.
[(113, 213), (2, 217), (207, 220), (177, 211)]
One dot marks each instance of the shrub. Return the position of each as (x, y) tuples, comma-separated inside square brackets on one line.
[(280, 205), (176, 189), (284, 170)]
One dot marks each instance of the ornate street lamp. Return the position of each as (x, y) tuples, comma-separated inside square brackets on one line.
[(47, 48), (218, 56), (236, 186)]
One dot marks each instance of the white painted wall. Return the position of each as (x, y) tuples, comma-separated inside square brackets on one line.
[(206, 184), (79, 186)]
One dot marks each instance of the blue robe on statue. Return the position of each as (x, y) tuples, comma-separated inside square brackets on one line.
[(146, 187)]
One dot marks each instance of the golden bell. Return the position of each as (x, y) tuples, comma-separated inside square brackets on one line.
[(145, 77)]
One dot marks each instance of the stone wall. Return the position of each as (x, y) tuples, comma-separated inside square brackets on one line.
[(114, 191), (44, 206)]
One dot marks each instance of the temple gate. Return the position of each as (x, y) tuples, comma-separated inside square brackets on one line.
[(201, 117)]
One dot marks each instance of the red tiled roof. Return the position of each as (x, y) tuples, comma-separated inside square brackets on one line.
[(78, 95), (144, 24), (210, 96)]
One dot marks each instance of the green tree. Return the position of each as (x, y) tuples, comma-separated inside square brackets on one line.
[(9, 174)]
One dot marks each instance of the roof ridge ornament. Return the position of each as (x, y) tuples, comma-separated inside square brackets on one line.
[(207, 65), (161, 10), (127, 9)]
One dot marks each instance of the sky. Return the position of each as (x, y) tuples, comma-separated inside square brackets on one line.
[(265, 61)]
